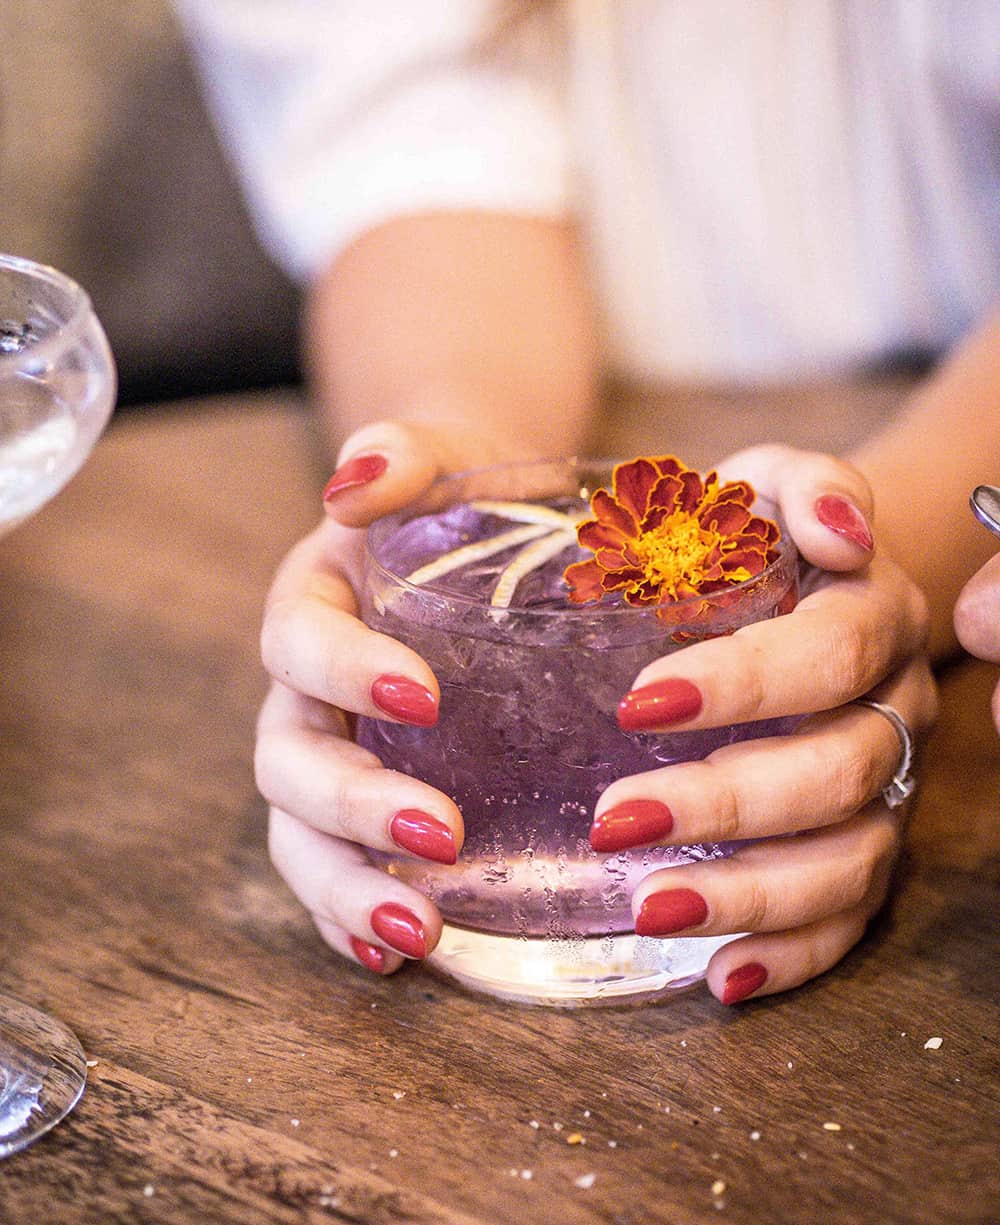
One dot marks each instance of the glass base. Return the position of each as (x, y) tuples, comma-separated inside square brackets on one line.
[(587, 972), (42, 1073)]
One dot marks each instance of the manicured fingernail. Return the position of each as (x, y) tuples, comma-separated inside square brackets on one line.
[(633, 823), (844, 518), (670, 910), (743, 981), (658, 705), (368, 955), (424, 835), (399, 928), (405, 699), (357, 471)]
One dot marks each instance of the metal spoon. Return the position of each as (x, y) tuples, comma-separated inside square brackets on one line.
[(985, 503)]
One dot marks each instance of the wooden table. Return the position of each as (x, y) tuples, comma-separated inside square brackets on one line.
[(244, 1074)]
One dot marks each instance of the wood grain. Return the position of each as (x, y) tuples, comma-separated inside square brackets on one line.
[(244, 1074)]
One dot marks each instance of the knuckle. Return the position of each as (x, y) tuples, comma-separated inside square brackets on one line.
[(727, 811), (279, 844), (814, 959), (274, 632), (756, 907), (863, 877), (746, 667), (267, 768), (887, 839), (855, 776), (855, 883), (849, 660)]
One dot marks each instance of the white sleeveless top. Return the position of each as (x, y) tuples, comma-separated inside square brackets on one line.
[(768, 189)]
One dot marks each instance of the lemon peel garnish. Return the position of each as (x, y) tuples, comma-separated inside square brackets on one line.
[(530, 558), (539, 522), (479, 550), (527, 512)]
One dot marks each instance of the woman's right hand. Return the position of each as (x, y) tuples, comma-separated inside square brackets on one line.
[(329, 798)]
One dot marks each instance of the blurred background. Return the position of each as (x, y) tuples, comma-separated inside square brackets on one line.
[(110, 170)]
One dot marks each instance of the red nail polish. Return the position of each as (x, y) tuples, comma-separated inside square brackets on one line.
[(633, 823), (399, 928), (658, 705), (405, 700), (368, 955), (357, 471), (424, 835), (743, 981), (844, 518), (670, 910)]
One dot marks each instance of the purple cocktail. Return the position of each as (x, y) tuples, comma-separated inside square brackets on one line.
[(528, 738)]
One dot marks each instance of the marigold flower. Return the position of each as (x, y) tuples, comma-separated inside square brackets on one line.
[(664, 533)]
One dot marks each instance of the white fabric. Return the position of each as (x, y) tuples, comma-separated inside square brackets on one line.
[(769, 188)]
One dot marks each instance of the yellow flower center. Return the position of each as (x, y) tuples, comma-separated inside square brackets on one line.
[(674, 554)]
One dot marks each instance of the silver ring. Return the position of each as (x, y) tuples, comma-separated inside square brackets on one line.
[(903, 783)]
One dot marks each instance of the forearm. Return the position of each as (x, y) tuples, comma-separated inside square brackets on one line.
[(480, 322), (923, 467)]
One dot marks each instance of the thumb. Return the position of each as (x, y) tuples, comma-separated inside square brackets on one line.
[(977, 613), (382, 467), (825, 503)]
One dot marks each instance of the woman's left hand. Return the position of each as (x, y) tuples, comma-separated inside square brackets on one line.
[(822, 840)]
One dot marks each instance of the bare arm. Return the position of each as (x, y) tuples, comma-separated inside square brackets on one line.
[(925, 464), (475, 319)]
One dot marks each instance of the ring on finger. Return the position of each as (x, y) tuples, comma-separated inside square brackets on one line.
[(903, 783)]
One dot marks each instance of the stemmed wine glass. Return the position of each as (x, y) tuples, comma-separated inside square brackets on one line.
[(57, 391)]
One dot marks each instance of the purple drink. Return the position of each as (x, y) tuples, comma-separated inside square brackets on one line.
[(528, 738)]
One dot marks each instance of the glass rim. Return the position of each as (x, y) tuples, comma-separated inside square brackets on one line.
[(80, 307), (787, 555)]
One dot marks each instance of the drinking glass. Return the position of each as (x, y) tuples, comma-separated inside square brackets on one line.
[(57, 391), (527, 739)]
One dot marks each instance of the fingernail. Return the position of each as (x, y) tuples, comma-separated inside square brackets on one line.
[(633, 823), (657, 705), (743, 981), (670, 910), (405, 699), (424, 835), (357, 471), (844, 518), (368, 955), (399, 928)]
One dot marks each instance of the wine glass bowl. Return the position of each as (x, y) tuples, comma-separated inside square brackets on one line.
[(57, 393), (57, 385)]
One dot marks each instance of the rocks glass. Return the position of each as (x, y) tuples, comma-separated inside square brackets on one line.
[(527, 739)]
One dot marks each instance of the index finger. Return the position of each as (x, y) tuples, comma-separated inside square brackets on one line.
[(837, 644), (312, 640), (826, 504)]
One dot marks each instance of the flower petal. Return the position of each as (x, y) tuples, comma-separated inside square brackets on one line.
[(611, 559), (608, 510), (594, 535), (736, 491), (615, 580), (669, 465), (584, 579), (692, 492), (633, 483), (763, 529), (665, 494), (728, 519)]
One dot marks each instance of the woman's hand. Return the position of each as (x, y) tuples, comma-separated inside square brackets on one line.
[(825, 842), (329, 797), (977, 619)]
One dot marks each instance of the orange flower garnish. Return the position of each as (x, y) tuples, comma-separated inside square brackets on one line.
[(664, 533)]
